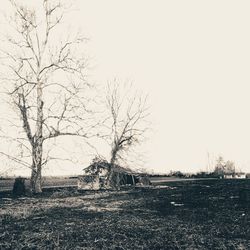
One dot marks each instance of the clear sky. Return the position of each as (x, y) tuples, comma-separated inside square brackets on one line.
[(192, 58)]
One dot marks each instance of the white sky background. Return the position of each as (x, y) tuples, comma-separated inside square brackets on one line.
[(192, 58)]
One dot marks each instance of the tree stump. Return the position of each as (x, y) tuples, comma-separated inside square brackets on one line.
[(19, 187)]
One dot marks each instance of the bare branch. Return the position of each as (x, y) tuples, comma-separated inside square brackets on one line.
[(17, 160), (23, 110), (128, 120)]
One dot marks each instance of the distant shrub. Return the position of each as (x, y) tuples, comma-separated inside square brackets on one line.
[(178, 174), (205, 175), (5, 178)]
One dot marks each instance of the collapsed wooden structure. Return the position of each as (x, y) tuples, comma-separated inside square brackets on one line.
[(95, 176)]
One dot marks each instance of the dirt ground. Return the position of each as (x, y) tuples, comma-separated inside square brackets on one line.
[(182, 215)]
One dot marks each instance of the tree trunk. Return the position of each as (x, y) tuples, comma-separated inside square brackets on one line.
[(109, 177), (36, 174), (113, 181), (117, 184), (36, 181), (109, 183), (37, 152)]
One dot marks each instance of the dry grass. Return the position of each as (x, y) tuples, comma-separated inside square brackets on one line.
[(211, 217)]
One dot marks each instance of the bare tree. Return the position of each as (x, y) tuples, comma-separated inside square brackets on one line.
[(46, 81), (127, 122), (224, 167)]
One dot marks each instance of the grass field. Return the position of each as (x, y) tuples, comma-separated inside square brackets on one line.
[(183, 215), (46, 182), (7, 184)]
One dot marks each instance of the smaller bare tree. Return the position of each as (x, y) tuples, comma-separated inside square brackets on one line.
[(127, 123)]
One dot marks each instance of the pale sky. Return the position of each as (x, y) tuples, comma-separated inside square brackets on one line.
[(193, 60)]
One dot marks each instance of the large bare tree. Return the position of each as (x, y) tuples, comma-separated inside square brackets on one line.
[(127, 122), (45, 79)]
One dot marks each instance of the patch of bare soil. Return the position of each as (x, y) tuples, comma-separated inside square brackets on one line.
[(185, 215)]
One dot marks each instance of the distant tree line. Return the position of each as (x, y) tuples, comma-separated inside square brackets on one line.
[(221, 168)]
